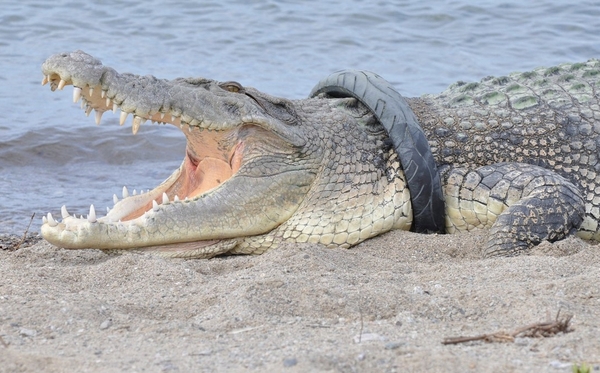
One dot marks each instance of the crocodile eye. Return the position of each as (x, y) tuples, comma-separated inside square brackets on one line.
[(234, 87)]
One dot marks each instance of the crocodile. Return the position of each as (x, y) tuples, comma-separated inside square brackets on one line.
[(516, 154)]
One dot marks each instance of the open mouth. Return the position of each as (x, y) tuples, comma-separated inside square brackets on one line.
[(209, 162), (212, 157)]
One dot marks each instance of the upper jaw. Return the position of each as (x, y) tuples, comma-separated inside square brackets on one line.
[(184, 102), (193, 102)]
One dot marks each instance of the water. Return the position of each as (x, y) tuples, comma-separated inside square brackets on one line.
[(51, 154)]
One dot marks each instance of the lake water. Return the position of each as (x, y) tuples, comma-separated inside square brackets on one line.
[(51, 154)]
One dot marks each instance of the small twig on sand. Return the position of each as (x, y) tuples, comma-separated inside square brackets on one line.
[(16, 247), (537, 330)]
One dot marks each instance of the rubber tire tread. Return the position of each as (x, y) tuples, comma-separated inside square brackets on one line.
[(407, 136)]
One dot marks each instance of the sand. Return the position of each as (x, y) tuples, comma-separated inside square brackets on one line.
[(383, 306)]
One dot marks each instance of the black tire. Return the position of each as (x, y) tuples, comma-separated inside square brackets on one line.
[(407, 136)]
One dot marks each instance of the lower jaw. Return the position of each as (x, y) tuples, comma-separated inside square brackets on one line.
[(187, 182)]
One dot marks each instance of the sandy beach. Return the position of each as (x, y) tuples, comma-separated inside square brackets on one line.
[(385, 305)]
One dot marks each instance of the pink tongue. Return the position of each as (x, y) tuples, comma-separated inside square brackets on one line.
[(209, 173), (193, 181)]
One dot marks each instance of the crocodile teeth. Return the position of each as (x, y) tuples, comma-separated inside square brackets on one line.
[(61, 85), (176, 199), (76, 94), (91, 91), (154, 205), (108, 103), (51, 221), (115, 107), (45, 80), (99, 116), (134, 192), (63, 212), (165, 198), (137, 122), (88, 110), (115, 199), (92, 215), (103, 94), (125, 192), (123, 117)]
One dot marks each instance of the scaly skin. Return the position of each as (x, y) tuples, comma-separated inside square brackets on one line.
[(306, 171), (262, 170), (548, 117)]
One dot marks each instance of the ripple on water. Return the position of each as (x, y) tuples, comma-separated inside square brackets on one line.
[(51, 154)]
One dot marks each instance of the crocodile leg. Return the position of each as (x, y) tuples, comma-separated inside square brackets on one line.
[(522, 204)]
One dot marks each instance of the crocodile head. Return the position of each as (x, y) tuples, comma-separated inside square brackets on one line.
[(258, 170)]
